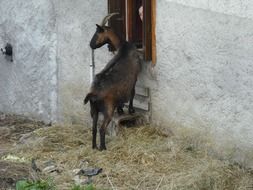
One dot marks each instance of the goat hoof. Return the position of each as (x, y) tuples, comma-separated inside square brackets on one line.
[(101, 148), (131, 110), (94, 147), (120, 111)]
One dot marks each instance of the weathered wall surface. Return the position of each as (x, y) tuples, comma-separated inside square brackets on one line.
[(28, 84), (50, 73), (204, 73), (229, 7), (75, 26)]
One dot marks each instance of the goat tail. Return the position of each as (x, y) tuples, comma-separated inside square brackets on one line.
[(89, 97)]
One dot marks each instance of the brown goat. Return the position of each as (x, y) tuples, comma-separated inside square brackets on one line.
[(115, 84)]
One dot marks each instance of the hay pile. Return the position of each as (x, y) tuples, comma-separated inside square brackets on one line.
[(13, 126), (138, 158), (10, 172)]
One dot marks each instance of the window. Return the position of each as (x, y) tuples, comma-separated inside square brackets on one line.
[(130, 27)]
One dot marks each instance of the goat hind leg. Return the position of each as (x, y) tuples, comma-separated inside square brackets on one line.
[(107, 119), (102, 133), (94, 115)]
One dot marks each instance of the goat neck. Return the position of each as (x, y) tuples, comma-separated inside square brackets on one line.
[(114, 41)]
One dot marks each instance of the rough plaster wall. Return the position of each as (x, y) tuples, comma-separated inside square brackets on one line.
[(232, 7), (75, 26), (28, 85), (204, 75)]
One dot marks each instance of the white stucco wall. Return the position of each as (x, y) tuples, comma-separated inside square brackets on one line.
[(230, 7), (75, 26), (204, 72), (50, 73), (28, 84)]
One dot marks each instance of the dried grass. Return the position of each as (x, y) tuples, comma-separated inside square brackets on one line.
[(138, 158)]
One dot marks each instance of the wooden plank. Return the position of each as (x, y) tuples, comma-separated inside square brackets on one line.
[(126, 117), (117, 22), (143, 105), (129, 20), (142, 91), (142, 98), (147, 41), (119, 120)]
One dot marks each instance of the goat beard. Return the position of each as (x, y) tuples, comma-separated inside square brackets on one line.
[(111, 48)]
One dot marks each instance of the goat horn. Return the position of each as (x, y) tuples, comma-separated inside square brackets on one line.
[(107, 18)]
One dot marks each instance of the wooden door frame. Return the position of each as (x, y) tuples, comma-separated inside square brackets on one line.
[(148, 41)]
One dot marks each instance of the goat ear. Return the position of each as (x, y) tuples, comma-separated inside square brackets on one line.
[(99, 28)]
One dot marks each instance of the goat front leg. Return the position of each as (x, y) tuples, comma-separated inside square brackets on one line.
[(120, 109), (131, 109)]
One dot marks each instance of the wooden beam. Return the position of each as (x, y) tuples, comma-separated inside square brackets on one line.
[(153, 30), (130, 20)]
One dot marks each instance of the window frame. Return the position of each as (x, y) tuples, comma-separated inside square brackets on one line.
[(127, 9)]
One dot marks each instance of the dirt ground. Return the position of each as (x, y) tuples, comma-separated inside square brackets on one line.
[(141, 157), (12, 128), (11, 172)]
